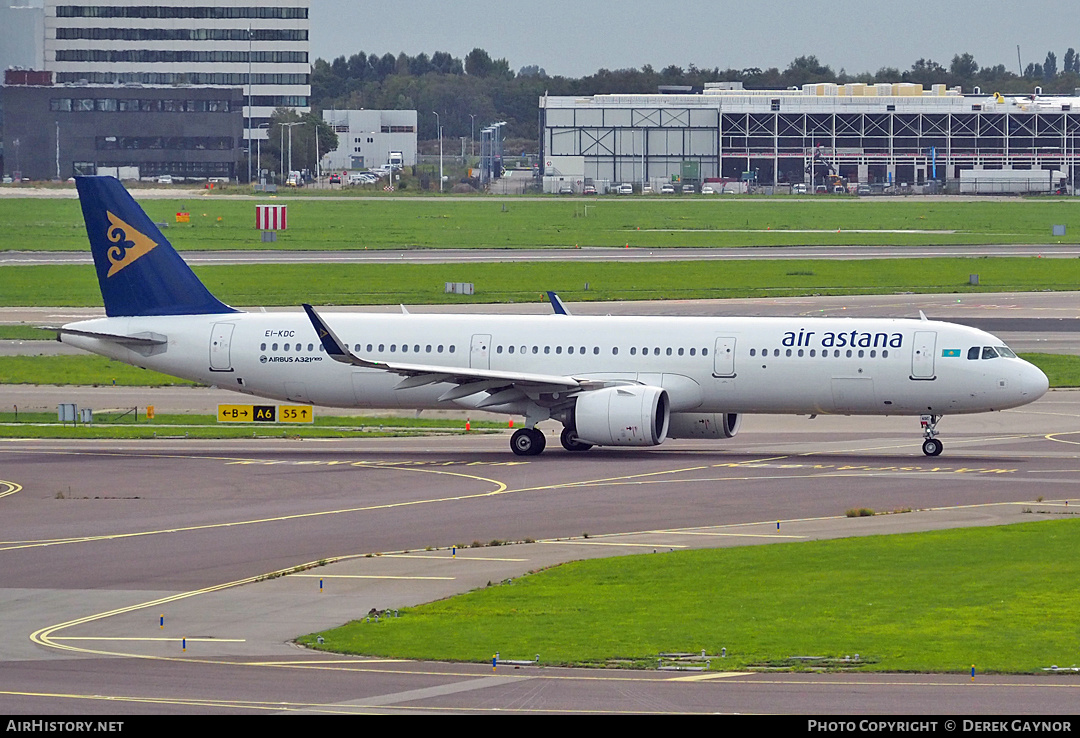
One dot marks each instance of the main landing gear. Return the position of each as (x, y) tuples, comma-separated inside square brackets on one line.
[(527, 442), (531, 442), (931, 446)]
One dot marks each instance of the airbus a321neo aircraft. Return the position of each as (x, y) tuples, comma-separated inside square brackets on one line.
[(611, 381)]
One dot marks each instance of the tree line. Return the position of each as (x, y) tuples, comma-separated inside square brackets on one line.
[(476, 91)]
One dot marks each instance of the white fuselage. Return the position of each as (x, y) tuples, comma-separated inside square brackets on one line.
[(730, 365)]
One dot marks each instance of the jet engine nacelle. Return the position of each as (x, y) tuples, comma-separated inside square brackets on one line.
[(704, 425), (630, 415)]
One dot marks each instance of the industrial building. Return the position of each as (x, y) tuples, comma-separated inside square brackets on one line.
[(58, 131), (886, 135), (366, 138), (258, 46)]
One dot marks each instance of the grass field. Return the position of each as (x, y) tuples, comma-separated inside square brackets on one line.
[(1000, 598), (125, 424), (380, 284), (47, 224)]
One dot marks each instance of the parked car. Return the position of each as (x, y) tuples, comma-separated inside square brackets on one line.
[(589, 190), (566, 190), (707, 190), (798, 188), (165, 179), (646, 189), (335, 179), (862, 189), (626, 189), (688, 189), (667, 189)]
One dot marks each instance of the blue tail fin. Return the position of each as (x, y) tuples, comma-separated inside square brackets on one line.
[(139, 271)]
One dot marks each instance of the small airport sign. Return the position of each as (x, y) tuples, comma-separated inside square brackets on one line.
[(266, 414)]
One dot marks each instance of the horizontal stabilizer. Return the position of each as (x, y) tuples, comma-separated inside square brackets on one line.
[(137, 339)]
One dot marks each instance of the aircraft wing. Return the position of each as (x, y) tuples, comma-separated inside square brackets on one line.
[(502, 386)]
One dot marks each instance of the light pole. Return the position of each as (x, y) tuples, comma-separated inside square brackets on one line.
[(290, 125), (438, 125), (472, 136), (258, 148), (250, 36)]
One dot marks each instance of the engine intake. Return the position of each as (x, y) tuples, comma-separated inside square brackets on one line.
[(630, 415)]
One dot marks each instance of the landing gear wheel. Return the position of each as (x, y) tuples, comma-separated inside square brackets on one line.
[(527, 442), (932, 447), (570, 441)]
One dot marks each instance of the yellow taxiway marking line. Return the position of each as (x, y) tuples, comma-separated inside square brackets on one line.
[(729, 535), (171, 640), (459, 557), (365, 576), (500, 488), (8, 488), (711, 675), (603, 543)]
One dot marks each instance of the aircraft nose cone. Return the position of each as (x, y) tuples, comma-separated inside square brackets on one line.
[(1034, 382)]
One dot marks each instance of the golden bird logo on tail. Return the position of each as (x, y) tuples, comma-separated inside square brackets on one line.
[(130, 244)]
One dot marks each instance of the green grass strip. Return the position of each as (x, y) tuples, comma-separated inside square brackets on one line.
[(380, 284), (654, 222), (1001, 598)]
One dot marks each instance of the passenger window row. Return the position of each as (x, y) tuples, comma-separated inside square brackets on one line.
[(812, 353), (595, 350)]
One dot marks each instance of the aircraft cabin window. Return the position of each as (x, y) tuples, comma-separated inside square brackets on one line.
[(633, 350), (989, 353), (884, 354), (753, 352), (776, 352), (310, 347), (286, 347), (382, 347), (427, 349), (356, 347), (681, 352), (973, 352), (656, 351), (788, 352), (393, 348), (274, 347), (800, 353), (704, 352), (438, 349), (569, 349), (404, 348), (536, 349), (262, 347), (596, 350), (614, 350), (692, 352), (669, 351), (416, 348), (813, 353), (558, 349), (547, 349), (873, 353)]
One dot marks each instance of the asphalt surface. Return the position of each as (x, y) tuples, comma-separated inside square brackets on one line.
[(102, 539)]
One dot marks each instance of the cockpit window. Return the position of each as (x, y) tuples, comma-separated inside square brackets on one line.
[(973, 352), (1006, 352), (989, 352)]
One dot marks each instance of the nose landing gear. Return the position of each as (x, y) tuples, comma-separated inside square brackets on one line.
[(931, 445)]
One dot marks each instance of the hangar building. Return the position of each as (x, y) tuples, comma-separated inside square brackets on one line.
[(885, 134)]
